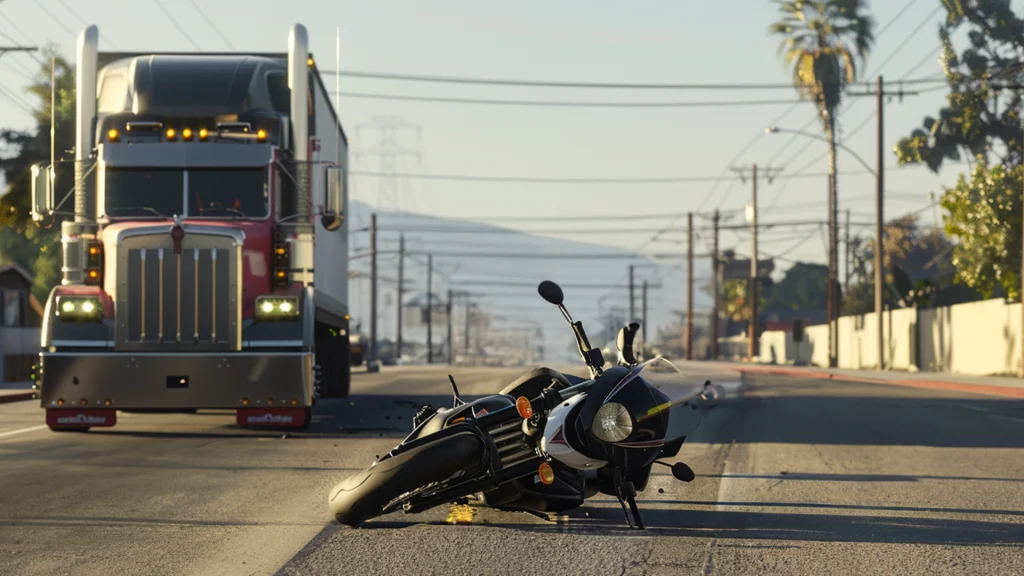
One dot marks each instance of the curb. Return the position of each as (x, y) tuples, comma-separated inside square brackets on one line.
[(986, 389), (6, 398)]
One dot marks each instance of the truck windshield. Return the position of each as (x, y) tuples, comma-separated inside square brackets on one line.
[(132, 192), (218, 192), (212, 192)]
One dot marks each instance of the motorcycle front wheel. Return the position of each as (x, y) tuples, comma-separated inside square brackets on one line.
[(364, 495)]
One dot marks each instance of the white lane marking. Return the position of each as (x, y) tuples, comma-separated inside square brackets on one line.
[(22, 431)]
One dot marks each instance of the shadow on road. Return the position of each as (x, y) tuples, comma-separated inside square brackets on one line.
[(775, 410), (609, 521)]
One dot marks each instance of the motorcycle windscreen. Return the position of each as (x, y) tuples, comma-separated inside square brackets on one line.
[(682, 399)]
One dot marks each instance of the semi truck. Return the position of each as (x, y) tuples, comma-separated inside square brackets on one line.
[(205, 250)]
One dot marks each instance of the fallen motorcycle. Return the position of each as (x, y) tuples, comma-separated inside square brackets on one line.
[(546, 443)]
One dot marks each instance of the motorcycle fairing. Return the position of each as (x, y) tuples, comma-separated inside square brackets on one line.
[(445, 417)]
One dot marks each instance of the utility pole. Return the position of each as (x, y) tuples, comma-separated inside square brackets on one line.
[(848, 258), (879, 95), (689, 287), (448, 308), (879, 219), (715, 272), (373, 286), (752, 343), (643, 334), (468, 312), (770, 174), (632, 307), (401, 292), (430, 309)]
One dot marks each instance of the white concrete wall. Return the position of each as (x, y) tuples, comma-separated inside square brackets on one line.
[(980, 338)]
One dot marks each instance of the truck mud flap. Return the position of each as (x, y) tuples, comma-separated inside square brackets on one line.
[(85, 418), (284, 417)]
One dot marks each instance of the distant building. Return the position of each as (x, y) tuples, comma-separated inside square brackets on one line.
[(21, 316)]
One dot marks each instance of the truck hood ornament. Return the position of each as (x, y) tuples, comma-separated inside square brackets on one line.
[(177, 234)]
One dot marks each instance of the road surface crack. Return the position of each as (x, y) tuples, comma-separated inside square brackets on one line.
[(709, 560)]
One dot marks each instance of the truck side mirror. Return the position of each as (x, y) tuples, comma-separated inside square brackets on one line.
[(42, 190), (334, 198)]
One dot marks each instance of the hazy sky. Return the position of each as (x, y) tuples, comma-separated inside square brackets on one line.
[(587, 41)]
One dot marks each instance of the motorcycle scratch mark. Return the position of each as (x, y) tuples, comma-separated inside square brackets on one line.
[(460, 514)]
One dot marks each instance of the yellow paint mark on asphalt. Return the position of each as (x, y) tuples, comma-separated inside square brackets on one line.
[(460, 514)]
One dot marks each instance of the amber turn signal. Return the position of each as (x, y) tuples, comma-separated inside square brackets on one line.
[(546, 473), (523, 407)]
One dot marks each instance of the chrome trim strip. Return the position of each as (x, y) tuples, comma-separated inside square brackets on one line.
[(237, 235), (83, 343), (213, 290), (142, 296), (178, 284), (272, 343), (195, 274), (160, 295), (224, 356)]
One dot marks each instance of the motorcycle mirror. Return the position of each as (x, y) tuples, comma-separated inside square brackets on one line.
[(624, 342), (682, 472), (551, 292)]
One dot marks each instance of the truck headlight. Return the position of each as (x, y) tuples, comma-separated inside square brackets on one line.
[(277, 308), (612, 423), (79, 308)]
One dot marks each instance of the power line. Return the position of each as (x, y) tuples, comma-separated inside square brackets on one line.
[(211, 24), (568, 104), (553, 256), (170, 17), (54, 18), (26, 37), (83, 21), (571, 180), (850, 105), (562, 84)]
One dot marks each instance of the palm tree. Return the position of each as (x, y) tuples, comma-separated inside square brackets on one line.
[(821, 39)]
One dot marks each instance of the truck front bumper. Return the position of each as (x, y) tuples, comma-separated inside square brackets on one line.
[(171, 380)]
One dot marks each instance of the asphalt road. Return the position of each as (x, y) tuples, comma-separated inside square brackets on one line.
[(794, 477)]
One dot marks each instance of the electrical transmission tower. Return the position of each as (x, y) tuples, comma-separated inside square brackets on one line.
[(388, 151)]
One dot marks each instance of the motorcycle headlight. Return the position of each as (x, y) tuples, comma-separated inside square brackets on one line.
[(613, 423), (79, 309), (277, 308)]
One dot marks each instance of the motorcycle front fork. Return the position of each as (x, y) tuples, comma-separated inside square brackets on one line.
[(626, 493)]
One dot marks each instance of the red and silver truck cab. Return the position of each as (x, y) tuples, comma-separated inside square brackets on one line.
[(205, 257)]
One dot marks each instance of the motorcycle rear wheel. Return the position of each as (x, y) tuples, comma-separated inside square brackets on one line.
[(364, 495)]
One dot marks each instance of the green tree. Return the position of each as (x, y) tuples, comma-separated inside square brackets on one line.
[(821, 41), (23, 242), (980, 121), (803, 286)]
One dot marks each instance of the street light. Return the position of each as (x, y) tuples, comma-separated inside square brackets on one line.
[(777, 130), (879, 198)]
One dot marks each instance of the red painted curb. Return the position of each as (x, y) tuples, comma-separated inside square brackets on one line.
[(5, 398), (1003, 391)]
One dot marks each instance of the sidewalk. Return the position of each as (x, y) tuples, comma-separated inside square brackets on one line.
[(990, 385), (15, 391)]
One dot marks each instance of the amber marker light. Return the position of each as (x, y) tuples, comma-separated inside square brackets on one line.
[(546, 473), (186, 134), (170, 134), (261, 135), (204, 134), (113, 135), (523, 407)]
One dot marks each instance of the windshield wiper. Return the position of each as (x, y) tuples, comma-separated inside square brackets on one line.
[(149, 209), (234, 212)]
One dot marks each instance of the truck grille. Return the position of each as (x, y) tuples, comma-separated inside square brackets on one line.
[(169, 301)]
